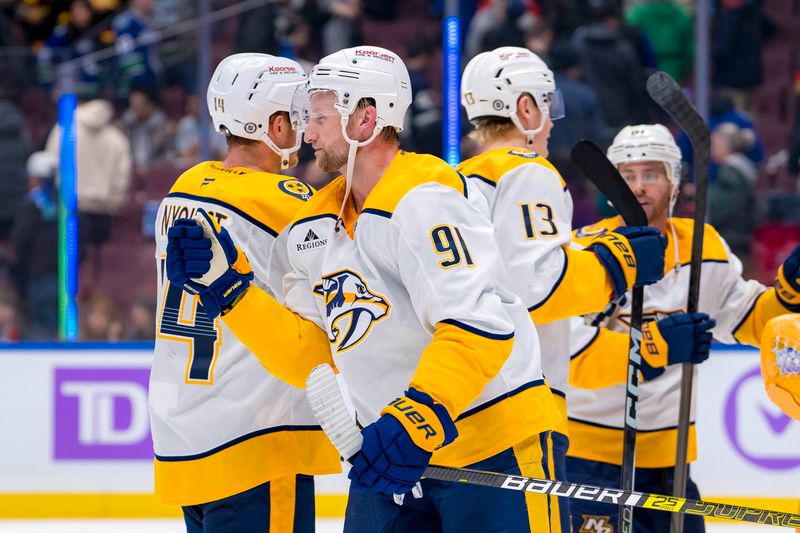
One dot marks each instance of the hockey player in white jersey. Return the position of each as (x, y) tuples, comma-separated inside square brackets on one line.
[(396, 276), (511, 98), (234, 446), (731, 308)]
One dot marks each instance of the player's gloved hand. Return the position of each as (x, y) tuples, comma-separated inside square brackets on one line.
[(632, 255), (398, 446), (202, 259), (679, 338), (787, 284)]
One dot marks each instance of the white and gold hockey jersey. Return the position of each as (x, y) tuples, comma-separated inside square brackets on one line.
[(221, 423), (409, 293), (596, 396), (531, 210)]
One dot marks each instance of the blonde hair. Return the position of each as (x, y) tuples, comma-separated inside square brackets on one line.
[(489, 128)]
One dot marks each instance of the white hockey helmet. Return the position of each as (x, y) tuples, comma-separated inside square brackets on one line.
[(365, 72), (247, 89), (647, 142), (493, 82)]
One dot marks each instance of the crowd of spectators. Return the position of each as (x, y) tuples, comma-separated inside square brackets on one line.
[(139, 117)]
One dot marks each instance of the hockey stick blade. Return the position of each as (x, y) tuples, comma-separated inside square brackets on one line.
[(595, 165), (331, 411), (327, 404), (668, 94)]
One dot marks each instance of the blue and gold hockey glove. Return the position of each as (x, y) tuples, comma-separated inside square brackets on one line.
[(787, 284), (398, 446), (202, 260), (679, 338), (633, 256)]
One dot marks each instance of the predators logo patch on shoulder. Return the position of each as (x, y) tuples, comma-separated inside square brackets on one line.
[(596, 524), (524, 153), (590, 231), (296, 188), (351, 308)]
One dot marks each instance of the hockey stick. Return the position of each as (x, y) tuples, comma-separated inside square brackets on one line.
[(668, 95), (331, 412), (600, 171)]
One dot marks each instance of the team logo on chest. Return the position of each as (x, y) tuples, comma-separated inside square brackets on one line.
[(351, 308)]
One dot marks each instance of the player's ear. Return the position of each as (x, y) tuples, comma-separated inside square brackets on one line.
[(526, 109)]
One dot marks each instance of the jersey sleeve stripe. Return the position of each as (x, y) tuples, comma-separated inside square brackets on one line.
[(481, 178), (748, 313), (555, 285), (226, 205), (585, 346), (464, 184), (498, 399), (315, 217), (175, 458), (377, 212), (476, 331), (638, 430)]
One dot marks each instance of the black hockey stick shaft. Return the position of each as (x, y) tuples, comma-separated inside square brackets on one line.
[(600, 171), (327, 402), (625, 498), (669, 96)]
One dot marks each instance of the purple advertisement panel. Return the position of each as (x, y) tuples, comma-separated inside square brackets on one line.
[(101, 413)]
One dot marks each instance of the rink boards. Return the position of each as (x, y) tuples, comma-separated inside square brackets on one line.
[(76, 437)]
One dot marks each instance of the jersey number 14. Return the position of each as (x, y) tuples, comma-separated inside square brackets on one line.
[(182, 318)]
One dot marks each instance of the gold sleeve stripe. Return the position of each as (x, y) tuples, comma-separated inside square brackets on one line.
[(602, 363), (287, 345), (765, 307), (584, 287), (459, 362)]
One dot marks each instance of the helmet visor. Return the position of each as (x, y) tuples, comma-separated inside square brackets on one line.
[(555, 104)]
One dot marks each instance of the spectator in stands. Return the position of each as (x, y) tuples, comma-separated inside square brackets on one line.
[(69, 41), (35, 240), (13, 153), (342, 30), (721, 110), (9, 318), (794, 146), (137, 53), (187, 136), (741, 27), (731, 197), (495, 25), (539, 38), (613, 66), (140, 325), (670, 30), (103, 161), (99, 320), (147, 128), (582, 119)]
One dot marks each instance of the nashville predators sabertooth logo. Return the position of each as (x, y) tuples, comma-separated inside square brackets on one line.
[(351, 308)]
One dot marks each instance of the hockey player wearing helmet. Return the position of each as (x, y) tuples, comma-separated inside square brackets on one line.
[(510, 96), (234, 446), (730, 308), (396, 279)]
